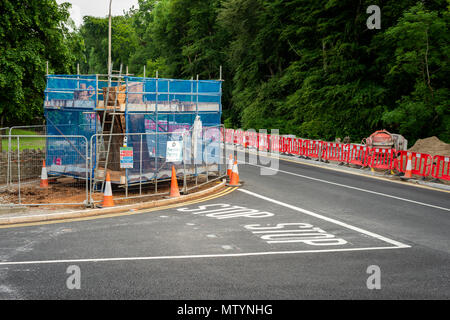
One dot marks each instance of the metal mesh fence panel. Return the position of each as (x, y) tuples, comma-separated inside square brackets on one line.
[(4, 156), (36, 157), (140, 164)]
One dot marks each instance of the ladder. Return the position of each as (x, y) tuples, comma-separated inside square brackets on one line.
[(107, 130)]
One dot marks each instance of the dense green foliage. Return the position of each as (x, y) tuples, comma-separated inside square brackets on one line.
[(310, 68), (31, 33)]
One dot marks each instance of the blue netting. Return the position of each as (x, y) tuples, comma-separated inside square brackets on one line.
[(67, 151), (152, 106), (70, 91), (162, 91)]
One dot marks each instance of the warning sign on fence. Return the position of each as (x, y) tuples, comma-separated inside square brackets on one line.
[(174, 152), (126, 158)]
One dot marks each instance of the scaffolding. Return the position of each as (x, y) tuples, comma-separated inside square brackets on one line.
[(111, 112)]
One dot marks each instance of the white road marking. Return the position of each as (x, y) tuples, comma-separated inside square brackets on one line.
[(343, 224), (211, 236), (351, 187), (227, 247), (200, 256)]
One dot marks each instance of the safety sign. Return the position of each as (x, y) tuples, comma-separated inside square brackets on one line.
[(174, 152), (126, 157)]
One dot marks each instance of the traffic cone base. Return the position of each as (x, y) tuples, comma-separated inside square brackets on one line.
[(44, 176), (107, 196), (174, 190)]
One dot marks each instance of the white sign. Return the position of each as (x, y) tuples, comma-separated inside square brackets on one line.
[(174, 152)]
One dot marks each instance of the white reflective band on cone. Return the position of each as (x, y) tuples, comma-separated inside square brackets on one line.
[(44, 173), (235, 168), (108, 191)]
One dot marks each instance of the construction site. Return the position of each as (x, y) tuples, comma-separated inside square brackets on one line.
[(134, 130)]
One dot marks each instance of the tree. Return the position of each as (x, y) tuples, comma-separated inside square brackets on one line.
[(420, 43), (31, 33), (124, 43)]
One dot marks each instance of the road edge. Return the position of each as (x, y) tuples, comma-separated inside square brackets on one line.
[(118, 209)]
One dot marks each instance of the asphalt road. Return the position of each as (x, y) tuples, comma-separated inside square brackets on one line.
[(302, 233)]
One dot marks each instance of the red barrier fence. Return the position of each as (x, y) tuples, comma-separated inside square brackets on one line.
[(441, 168), (263, 142), (313, 148), (382, 158), (385, 159), (252, 139), (229, 136), (335, 151), (239, 137), (293, 146), (421, 163), (358, 155), (275, 141), (303, 146)]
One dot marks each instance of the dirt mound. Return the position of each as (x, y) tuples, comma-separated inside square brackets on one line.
[(431, 145)]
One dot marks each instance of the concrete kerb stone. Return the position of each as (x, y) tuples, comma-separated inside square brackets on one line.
[(117, 209)]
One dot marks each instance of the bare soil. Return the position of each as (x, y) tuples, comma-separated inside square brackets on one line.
[(69, 190), (432, 146)]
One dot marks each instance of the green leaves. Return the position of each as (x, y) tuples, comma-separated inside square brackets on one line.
[(31, 33), (310, 68)]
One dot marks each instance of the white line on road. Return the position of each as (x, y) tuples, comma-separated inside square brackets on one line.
[(351, 187), (343, 224), (200, 256)]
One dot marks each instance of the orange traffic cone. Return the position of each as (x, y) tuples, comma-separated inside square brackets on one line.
[(408, 173), (44, 176), (234, 180), (107, 196), (174, 191), (230, 166)]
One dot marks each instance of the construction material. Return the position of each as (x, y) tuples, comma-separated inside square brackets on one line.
[(432, 146), (386, 140)]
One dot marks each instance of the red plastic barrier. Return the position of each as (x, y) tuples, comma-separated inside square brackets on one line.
[(263, 141), (421, 163), (335, 151), (245, 139), (239, 137), (441, 167), (293, 146), (229, 136), (252, 139), (358, 155), (382, 158), (303, 146), (288, 146), (313, 148), (274, 143), (387, 159)]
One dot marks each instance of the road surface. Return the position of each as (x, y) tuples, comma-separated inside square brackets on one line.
[(302, 233)]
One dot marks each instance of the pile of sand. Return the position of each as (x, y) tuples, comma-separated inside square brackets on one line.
[(431, 145)]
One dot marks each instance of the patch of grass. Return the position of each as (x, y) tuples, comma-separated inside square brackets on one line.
[(24, 142)]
